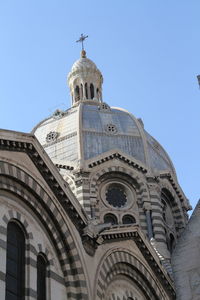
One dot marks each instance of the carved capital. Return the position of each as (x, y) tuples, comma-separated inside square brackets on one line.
[(147, 206)]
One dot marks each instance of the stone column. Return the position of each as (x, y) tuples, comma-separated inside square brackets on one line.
[(147, 209)]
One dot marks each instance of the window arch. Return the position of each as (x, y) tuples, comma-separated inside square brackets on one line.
[(92, 91), (15, 262), (41, 276), (128, 219), (110, 218)]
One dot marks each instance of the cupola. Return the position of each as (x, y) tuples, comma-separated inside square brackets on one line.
[(85, 80)]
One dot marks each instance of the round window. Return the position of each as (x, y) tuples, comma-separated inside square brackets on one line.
[(116, 195)]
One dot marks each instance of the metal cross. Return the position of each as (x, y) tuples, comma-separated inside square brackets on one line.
[(81, 40)]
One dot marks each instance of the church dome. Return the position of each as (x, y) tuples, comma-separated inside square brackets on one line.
[(90, 128)]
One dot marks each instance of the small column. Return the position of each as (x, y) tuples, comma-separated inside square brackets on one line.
[(93, 203), (147, 209)]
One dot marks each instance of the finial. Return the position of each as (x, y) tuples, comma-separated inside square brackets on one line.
[(83, 53), (81, 40)]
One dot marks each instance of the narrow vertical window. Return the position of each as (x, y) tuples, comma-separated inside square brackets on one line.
[(15, 263), (81, 91), (41, 277), (77, 92), (92, 90), (86, 91), (97, 91)]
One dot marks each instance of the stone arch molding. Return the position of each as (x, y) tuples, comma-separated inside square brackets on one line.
[(120, 262), (143, 189), (27, 189)]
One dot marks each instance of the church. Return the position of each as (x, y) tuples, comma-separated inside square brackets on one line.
[(91, 207)]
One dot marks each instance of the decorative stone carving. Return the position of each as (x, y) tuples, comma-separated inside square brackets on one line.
[(111, 128), (52, 136)]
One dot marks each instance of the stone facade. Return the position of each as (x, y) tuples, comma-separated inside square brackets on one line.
[(186, 264), (96, 195)]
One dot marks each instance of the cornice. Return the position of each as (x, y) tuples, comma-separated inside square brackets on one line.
[(116, 155)]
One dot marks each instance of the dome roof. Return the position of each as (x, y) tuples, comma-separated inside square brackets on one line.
[(83, 65), (91, 129)]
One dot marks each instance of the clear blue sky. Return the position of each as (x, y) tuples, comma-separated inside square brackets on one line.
[(148, 52)]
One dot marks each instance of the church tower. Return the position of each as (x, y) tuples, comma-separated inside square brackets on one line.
[(101, 196)]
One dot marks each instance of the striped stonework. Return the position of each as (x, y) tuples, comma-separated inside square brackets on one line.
[(178, 204), (121, 262), (27, 189)]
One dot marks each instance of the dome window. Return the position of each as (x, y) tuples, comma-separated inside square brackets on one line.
[(116, 195), (110, 218), (128, 219), (111, 128), (77, 94), (92, 91), (81, 91), (86, 90), (51, 136)]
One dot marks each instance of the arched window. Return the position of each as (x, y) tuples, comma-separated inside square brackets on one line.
[(15, 263), (97, 91), (167, 204), (81, 91), (128, 219), (110, 218), (92, 90), (86, 91), (77, 92), (41, 277), (170, 243)]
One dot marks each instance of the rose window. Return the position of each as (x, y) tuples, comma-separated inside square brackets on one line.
[(116, 196)]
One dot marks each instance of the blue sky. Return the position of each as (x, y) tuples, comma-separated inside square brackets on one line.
[(148, 52)]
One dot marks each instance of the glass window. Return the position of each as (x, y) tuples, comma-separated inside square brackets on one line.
[(128, 219), (41, 277), (116, 195), (110, 218), (15, 263)]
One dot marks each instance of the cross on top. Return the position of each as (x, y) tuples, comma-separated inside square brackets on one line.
[(81, 40)]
